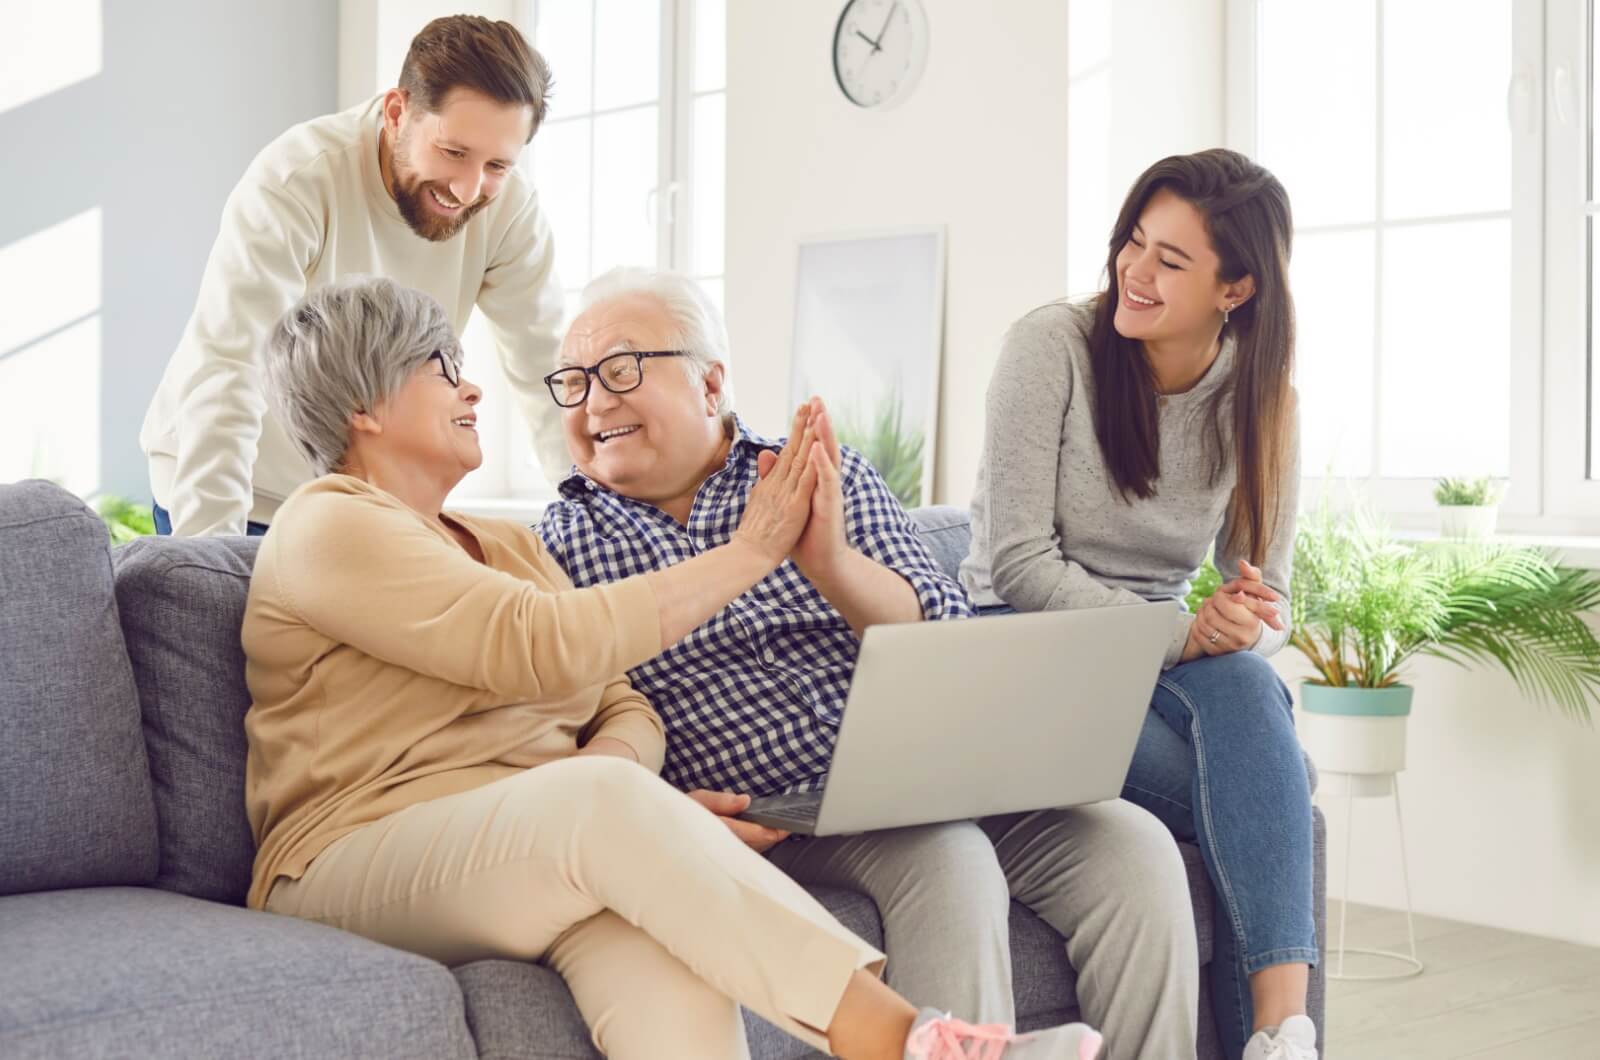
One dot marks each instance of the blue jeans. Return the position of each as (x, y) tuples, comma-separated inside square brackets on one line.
[(164, 523), (1218, 762)]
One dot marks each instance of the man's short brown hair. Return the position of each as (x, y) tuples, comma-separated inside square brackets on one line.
[(469, 51)]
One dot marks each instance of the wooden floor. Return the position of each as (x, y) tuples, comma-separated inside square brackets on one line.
[(1488, 994)]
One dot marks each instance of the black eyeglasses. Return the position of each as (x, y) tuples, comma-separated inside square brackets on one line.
[(618, 373), (448, 365)]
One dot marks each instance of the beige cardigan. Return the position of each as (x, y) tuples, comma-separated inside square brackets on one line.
[(387, 667)]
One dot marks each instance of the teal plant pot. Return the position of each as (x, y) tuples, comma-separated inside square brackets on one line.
[(1357, 731), (1391, 702)]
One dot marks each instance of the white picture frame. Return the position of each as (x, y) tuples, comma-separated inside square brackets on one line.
[(869, 339)]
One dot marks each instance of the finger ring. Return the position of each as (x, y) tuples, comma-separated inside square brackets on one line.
[(1216, 633)]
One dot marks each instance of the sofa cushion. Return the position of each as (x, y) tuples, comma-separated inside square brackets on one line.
[(73, 780), (139, 972), (947, 531), (182, 605)]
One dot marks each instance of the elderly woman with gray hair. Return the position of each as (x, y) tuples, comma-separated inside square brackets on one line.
[(446, 756)]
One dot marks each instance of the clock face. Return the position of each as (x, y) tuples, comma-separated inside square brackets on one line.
[(879, 49)]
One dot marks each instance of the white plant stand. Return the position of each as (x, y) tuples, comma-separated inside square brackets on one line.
[(1370, 785)]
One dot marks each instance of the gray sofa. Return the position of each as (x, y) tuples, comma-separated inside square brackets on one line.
[(125, 853)]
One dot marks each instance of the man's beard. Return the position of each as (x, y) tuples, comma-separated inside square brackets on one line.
[(408, 193)]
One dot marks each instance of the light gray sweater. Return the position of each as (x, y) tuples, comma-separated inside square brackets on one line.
[(1049, 530)]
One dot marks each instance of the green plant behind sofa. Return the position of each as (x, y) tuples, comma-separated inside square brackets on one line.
[(126, 520)]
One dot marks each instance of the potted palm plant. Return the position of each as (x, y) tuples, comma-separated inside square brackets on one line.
[(1364, 605), (1467, 507)]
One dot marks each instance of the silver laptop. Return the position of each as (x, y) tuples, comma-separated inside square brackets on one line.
[(954, 720)]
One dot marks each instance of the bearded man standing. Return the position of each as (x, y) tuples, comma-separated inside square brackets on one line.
[(418, 184)]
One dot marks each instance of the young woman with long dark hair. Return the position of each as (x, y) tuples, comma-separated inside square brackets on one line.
[(1127, 435)]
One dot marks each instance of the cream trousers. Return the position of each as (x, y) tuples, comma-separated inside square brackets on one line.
[(661, 922)]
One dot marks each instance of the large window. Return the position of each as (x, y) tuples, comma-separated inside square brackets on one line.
[(629, 167), (1409, 140)]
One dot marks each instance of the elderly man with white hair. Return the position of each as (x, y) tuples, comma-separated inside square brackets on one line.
[(664, 470)]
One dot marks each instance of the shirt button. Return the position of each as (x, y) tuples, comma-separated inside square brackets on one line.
[(769, 657)]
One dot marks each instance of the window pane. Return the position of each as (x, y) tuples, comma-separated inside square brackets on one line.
[(1318, 97), (710, 45), (1332, 279), (707, 198), (1594, 375), (717, 292), (561, 175), (1445, 391), (496, 410), (1447, 143), (625, 174), (564, 36), (627, 68)]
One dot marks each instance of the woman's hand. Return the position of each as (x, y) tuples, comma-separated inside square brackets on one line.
[(1231, 618), (780, 504), (725, 804)]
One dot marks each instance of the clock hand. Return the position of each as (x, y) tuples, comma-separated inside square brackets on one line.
[(877, 44), (869, 40)]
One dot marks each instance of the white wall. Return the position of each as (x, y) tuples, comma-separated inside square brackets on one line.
[(187, 94), (989, 145), (980, 147), (1501, 799), (1032, 119)]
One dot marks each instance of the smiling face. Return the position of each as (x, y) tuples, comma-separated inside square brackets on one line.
[(445, 167), (429, 424), (1167, 282), (656, 442)]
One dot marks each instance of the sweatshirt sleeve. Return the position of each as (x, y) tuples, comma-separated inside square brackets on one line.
[(521, 300), (368, 575), (1277, 568), (257, 269)]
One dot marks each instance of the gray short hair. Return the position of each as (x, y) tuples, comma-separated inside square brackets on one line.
[(343, 349), (700, 332)]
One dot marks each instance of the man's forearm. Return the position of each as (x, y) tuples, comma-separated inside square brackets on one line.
[(866, 592)]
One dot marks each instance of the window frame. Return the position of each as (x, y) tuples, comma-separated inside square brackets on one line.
[(1534, 371)]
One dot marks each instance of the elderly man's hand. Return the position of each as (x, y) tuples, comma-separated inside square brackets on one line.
[(823, 543), (725, 804), (780, 504)]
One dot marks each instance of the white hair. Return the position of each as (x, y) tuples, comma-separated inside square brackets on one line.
[(343, 349), (698, 328)]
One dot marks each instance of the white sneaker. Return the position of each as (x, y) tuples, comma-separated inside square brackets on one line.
[(1296, 1039)]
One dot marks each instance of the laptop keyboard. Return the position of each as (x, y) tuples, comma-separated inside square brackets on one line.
[(799, 809)]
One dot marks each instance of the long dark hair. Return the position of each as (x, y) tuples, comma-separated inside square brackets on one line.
[(1246, 213)]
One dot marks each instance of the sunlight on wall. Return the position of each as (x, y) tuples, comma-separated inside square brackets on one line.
[(46, 46), (50, 354)]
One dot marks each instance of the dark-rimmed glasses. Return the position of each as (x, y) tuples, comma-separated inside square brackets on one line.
[(448, 365), (617, 372)]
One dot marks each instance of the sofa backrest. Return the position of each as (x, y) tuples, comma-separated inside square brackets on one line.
[(76, 806), (182, 605)]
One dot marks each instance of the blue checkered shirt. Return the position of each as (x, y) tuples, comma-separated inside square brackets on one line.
[(752, 699)]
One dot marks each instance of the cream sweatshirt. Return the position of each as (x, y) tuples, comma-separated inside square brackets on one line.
[(312, 208)]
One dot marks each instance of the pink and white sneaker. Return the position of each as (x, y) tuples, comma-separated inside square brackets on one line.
[(937, 1036)]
